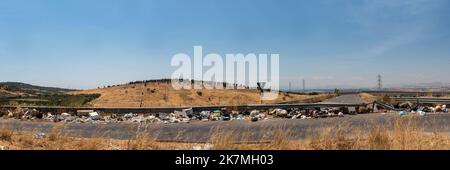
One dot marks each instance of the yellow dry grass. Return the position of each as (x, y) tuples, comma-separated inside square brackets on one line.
[(368, 97), (404, 134), (163, 95), (56, 140)]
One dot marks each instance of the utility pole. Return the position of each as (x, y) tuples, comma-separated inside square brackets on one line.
[(290, 85), (261, 91), (304, 86), (380, 86)]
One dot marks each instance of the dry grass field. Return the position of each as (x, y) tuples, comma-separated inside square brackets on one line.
[(162, 94), (368, 97)]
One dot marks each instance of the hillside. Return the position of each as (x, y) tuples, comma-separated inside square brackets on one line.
[(21, 94), (15, 89), (161, 94)]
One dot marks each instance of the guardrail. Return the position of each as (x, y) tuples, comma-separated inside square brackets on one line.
[(424, 100)]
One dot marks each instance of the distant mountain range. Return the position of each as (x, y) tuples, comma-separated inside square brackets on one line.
[(423, 85), (414, 86)]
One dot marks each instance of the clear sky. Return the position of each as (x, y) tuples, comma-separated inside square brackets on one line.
[(329, 43)]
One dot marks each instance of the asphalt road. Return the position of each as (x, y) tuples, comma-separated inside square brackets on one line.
[(255, 131), (348, 98)]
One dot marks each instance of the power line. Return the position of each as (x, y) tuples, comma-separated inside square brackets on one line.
[(304, 85), (380, 85)]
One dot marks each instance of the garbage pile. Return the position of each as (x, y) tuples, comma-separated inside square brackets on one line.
[(414, 107), (421, 110), (181, 116), (424, 110), (184, 116)]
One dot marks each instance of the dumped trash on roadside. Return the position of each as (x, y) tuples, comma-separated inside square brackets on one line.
[(280, 113), (65, 115), (10, 114), (192, 115), (138, 119), (84, 112), (27, 115), (204, 115), (94, 116), (215, 115), (188, 112), (254, 119), (185, 120), (180, 114), (128, 116), (183, 116), (238, 117), (254, 113), (402, 113), (48, 116)]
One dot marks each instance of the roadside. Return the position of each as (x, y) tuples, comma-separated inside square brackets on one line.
[(390, 132)]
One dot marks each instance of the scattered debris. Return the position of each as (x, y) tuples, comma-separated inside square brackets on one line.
[(188, 115), (84, 112), (128, 116), (188, 112), (215, 115), (94, 116), (65, 115), (280, 113), (40, 135), (10, 114)]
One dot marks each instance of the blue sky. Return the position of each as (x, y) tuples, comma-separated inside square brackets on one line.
[(85, 43)]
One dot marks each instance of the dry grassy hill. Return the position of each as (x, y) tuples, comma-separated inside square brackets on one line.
[(14, 89), (157, 94)]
